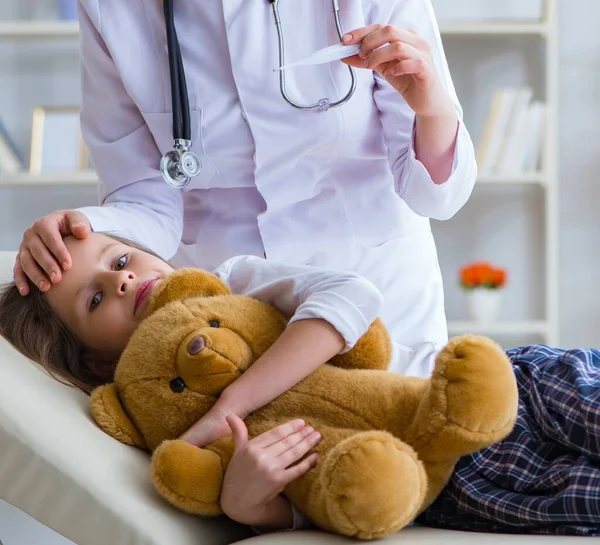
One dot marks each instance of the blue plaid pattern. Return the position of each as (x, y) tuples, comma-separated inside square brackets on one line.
[(545, 477)]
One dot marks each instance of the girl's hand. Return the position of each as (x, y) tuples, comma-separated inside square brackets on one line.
[(210, 428), (404, 59), (261, 468), (43, 255)]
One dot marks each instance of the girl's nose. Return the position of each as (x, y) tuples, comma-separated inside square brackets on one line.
[(125, 281)]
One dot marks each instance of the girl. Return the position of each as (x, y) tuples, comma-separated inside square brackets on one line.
[(78, 329), (543, 478)]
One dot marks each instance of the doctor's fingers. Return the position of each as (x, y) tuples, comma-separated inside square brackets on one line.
[(374, 36), (42, 255), (398, 51), (19, 277), (28, 267)]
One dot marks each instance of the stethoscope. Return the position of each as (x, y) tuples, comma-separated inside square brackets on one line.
[(180, 165)]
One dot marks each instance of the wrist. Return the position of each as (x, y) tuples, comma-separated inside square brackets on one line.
[(443, 110), (231, 403), (276, 513)]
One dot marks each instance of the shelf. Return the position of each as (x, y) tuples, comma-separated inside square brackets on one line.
[(38, 30), (537, 327), (529, 178), (50, 179), (41, 30), (485, 28)]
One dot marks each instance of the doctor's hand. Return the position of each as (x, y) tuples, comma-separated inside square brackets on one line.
[(404, 59), (261, 468), (43, 255)]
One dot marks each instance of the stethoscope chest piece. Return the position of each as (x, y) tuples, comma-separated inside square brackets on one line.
[(178, 169)]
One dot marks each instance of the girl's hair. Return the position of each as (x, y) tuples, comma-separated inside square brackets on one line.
[(29, 324)]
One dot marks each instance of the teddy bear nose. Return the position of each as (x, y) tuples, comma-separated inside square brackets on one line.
[(196, 346)]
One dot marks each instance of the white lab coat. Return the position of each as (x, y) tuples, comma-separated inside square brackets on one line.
[(339, 189)]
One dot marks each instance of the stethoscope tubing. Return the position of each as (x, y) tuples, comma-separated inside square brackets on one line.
[(179, 165), (179, 94)]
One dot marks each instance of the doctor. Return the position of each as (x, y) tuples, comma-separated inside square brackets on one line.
[(349, 186)]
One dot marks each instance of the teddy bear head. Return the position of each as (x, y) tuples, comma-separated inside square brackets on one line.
[(208, 338)]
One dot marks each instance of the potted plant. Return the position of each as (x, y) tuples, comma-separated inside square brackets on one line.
[(483, 284)]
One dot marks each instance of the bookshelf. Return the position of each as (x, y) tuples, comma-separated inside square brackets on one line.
[(546, 329), (543, 330), (24, 179), (38, 30)]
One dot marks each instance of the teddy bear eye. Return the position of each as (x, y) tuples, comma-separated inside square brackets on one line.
[(177, 385), (214, 323)]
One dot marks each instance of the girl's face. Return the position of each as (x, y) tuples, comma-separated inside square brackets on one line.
[(104, 295)]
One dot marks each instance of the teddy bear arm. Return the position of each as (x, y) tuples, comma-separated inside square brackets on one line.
[(188, 477), (372, 351)]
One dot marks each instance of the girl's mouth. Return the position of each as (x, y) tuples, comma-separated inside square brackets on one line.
[(143, 292)]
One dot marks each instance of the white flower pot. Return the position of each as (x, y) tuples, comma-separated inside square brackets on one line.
[(484, 304)]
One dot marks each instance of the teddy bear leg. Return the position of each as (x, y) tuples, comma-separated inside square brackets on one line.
[(188, 477), (368, 485), (471, 401)]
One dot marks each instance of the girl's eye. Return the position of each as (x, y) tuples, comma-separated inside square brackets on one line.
[(122, 261), (96, 299)]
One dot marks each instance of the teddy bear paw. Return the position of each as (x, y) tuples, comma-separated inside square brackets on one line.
[(374, 485), (188, 477), (472, 402)]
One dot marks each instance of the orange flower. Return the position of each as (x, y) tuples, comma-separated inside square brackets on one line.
[(482, 274)]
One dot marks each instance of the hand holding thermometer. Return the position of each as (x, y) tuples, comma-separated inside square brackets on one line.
[(328, 54)]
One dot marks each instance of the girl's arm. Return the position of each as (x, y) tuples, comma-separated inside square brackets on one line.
[(328, 312)]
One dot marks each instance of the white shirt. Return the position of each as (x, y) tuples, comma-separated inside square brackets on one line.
[(349, 302), (339, 189)]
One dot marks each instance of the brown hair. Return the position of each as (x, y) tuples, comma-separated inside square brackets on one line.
[(29, 324)]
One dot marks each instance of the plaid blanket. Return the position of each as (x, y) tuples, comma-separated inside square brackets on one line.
[(545, 477)]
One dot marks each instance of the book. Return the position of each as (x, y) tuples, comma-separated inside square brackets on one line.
[(509, 150), (11, 160), (534, 138), (494, 130)]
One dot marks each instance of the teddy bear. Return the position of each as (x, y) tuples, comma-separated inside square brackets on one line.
[(389, 442)]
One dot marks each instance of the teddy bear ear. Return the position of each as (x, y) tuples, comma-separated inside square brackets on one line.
[(185, 283), (109, 414)]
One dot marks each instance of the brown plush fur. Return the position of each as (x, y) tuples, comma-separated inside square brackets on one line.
[(389, 442)]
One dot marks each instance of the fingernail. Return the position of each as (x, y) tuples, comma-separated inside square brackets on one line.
[(65, 266), (78, 225), (41, 284), (52, 276), (309, 430), (300, 422), (318, 436), (21, 288), (346, 37)]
